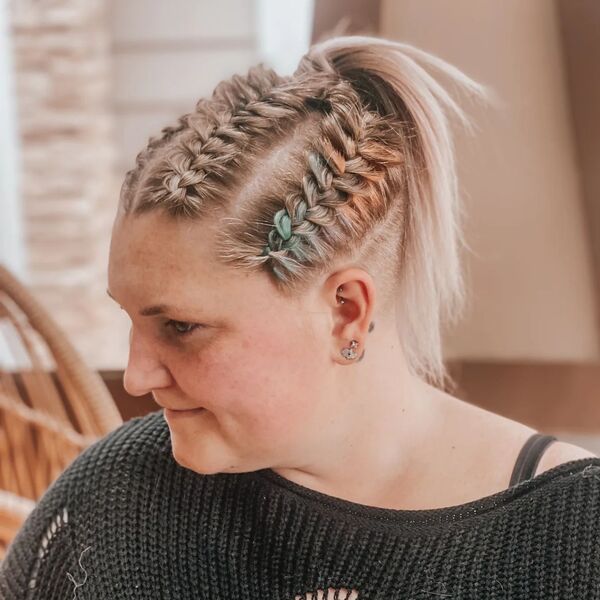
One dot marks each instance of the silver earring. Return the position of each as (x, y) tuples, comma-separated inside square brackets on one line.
[(350, 353)]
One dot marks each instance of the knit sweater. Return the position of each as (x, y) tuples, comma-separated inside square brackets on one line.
[(126, 521)]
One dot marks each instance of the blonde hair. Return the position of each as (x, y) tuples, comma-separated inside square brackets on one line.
[(350, 157)]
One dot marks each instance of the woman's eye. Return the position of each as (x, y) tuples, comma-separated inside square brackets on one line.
[(181, 328)]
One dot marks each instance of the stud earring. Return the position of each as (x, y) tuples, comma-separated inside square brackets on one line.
[(350, 353)]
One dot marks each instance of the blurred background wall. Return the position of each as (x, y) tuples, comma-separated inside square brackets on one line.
[(531, 262), (63, 86), (94, 80)]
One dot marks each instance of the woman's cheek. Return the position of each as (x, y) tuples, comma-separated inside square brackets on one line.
[(262, 379)]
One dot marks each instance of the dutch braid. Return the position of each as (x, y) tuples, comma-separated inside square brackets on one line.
[(205, 120), (350, 161), (199, 161)]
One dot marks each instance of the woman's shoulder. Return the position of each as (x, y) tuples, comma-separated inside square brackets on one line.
[(147, 432), (137, 436), (98, 491), (561, 452), (137, 449), (134, 437), (480, 449)]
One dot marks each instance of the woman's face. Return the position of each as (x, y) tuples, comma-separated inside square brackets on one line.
[(205, 335)]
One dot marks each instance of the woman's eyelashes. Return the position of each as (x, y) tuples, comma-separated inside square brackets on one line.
[(181, 328)]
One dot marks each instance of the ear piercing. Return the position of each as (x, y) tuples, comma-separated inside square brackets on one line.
[(350, 352)]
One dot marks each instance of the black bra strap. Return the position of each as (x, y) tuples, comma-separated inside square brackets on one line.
[(529, 457)]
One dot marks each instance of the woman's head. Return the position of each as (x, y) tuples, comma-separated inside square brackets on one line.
[(275, 191)]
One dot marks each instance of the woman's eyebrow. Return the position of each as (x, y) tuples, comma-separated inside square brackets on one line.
[(159, 309), (149, 311)]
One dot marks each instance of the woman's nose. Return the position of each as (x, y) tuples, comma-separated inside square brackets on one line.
[(144, 371)]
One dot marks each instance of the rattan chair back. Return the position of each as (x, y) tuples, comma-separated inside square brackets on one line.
[(52, 405)]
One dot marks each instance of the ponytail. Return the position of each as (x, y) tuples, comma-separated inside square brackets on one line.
[(392, 79)]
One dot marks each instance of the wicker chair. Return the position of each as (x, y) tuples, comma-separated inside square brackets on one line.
[(52, 405)]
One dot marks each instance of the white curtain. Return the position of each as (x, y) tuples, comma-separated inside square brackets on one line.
[(12, 252), (284, 29)]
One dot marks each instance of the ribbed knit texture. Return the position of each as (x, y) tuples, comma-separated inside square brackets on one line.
[(126, 521)]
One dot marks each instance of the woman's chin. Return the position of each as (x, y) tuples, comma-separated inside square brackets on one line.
[(175, 415)]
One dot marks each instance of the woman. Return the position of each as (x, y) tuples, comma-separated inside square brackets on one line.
[(287, 255)]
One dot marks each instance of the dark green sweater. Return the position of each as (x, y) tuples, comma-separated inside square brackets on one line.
[(126, 521)]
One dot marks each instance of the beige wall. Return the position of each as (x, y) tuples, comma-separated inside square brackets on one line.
[(530, 268)]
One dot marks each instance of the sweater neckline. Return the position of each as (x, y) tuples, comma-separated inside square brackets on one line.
[(425, 516)]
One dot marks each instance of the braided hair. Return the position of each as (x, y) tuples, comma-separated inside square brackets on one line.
[(348, 158)]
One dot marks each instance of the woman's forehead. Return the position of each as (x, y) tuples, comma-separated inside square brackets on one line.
[(154, 255), (153, 249), (158, 235)]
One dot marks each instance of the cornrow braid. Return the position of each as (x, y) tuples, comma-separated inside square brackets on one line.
[(204, 120), (201, 160), (347, 172), (154, 143)]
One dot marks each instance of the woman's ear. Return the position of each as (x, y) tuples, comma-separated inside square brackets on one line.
[(351, 295)]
